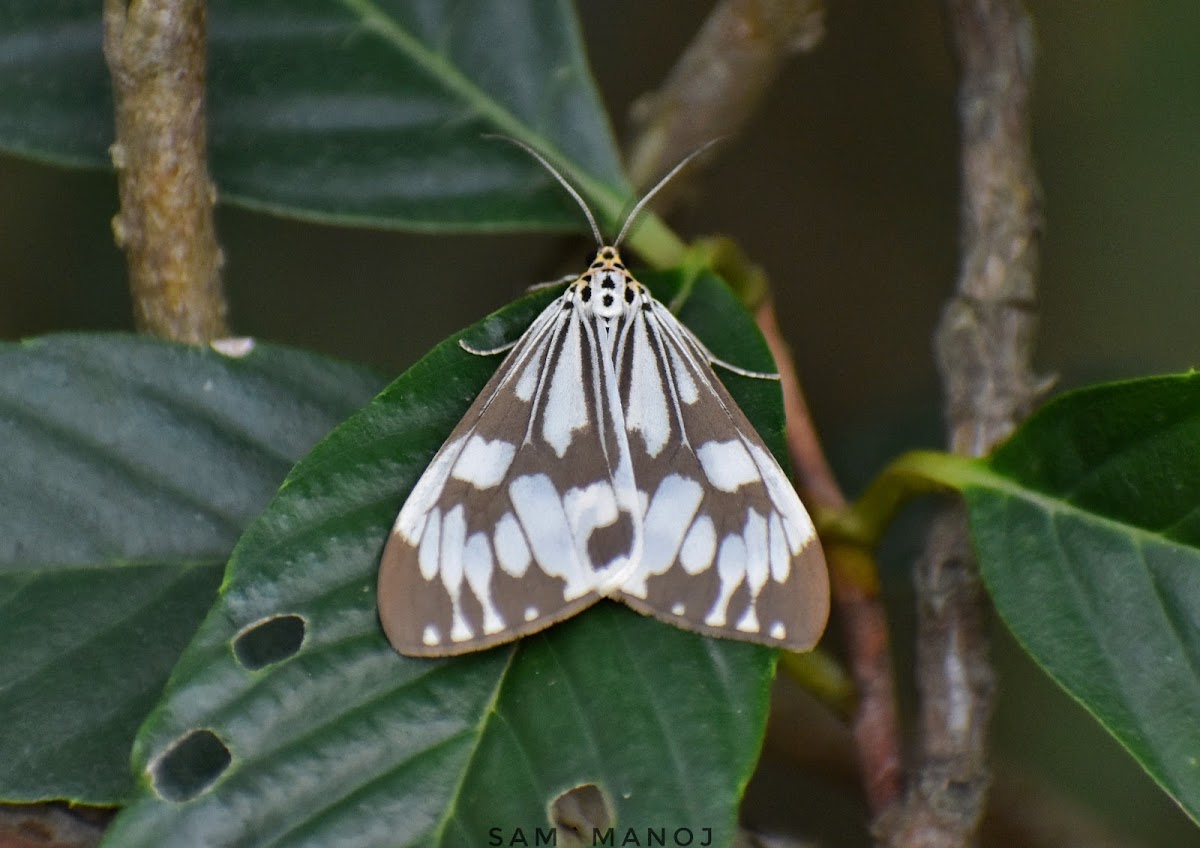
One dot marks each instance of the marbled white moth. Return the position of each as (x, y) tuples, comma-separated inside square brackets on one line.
[(603, 460)]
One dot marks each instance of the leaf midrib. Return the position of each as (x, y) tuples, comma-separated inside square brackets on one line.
[(489, 710), (964, 475), (434, 63)]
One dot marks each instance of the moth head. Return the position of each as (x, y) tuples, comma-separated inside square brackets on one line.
[(607, 288)]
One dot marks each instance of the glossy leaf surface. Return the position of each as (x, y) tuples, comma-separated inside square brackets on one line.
[(347, 743), (131, 466), (1087, 523), (365, 111)]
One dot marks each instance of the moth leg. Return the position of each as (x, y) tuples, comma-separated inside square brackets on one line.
[(504, 348), (491, 351), (549, 284), (728, 366)]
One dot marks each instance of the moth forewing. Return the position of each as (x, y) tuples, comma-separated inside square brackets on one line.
[(729, 550), (498, 539)]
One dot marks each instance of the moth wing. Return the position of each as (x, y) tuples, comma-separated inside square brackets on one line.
[(728, 548), (524, 512)]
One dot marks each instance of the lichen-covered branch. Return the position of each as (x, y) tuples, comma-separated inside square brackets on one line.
[(985, 339), (719, 80), (984, 347), (156, 55)]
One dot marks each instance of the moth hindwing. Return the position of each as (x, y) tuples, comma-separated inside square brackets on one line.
[(603, 459)]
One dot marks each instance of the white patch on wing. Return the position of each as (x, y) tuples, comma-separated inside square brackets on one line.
[(796, 522), (483, 464), (699, 546), (427, 555), (727, 465), (757, 567), (430, 635), (666, 520), (511, 551), (531, 613), (778, 631), (540, 510), (564, 409), (454, 539), (588, 508), (678, 609), (647, 409), (731, 569), (477, 566), (748, 623), (527, 384), (781, 558), (685, 386), (411, 520)]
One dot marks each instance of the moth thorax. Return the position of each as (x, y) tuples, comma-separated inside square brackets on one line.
[(609, 293)]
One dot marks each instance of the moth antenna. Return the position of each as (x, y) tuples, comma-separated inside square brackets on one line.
[(641, 204), (570, 188)]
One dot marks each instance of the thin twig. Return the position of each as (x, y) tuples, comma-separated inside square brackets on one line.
[(856, 594), (984, 346), (719, 81), (155, 51), (853, 573)]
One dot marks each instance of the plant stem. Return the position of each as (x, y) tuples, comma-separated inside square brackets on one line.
[(720, 80), (712, 91), (155, 51), (984, 344), (855, 591), (863, 523)]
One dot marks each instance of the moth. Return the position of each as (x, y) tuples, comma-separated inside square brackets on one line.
[(604, 459)]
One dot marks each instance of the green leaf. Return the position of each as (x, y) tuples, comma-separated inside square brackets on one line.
[(1087, 526), (131, 466), (366, 111), (344, 742)]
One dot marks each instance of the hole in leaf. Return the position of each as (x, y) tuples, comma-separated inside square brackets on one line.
[(190, 766), (578, 813), (269, 641)]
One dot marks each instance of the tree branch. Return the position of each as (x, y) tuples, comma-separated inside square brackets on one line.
[(719, 81), (155, 51), (984, 346)]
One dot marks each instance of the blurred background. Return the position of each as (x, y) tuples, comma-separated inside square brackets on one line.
[(844, 187)]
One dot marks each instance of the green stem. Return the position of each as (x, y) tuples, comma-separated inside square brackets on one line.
[(915, 473)]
